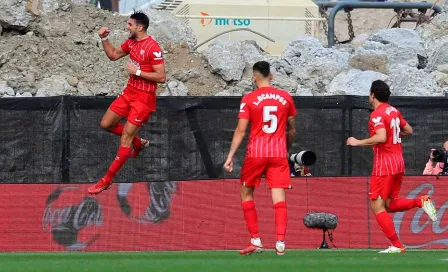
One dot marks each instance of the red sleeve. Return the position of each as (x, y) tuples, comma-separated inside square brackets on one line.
[(156, 55), (376, 121), (125, 46), (403, 121), (244, 109)]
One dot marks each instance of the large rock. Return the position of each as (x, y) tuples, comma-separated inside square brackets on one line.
[(5, 89), (298, 51), (252, 53), (186, 75), (397, 45), (175, 88), (54, 86), (313, 66), (403, 38), (243, 87), (52, 26), (83, 89), (438, 54), (372, 61), (410, 81), (18, 14), (354, 82), (435, 37), (303, 91), (285, 83), (441, 78), (168, 29), (226, 59), (25, 94), (21, 84), (436, 29)]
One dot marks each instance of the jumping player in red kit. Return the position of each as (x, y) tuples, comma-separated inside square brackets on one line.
[(386, 126), (270, 113), (146, 68)]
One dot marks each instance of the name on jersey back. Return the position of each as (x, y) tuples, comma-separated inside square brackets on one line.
[(390, 109), (265, 96)]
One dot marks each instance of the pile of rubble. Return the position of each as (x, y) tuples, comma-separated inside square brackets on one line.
[(51, 47)]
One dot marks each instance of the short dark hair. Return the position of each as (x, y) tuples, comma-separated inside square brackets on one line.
[(381, 90), (141, 19), (263, 67)]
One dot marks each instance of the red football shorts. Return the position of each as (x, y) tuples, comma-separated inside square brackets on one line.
[(385, 186), (135, 105), (276, 171)]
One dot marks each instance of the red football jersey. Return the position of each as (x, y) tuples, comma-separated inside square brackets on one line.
[(268, 110), (144, 54), (387, 157)]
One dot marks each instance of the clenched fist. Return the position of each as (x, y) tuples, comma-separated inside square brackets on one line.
[(103, 32)]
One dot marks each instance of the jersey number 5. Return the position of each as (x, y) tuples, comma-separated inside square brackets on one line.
[(269, 116), (395, 126)]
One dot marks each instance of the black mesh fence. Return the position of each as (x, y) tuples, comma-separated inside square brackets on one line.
[(59, 139)]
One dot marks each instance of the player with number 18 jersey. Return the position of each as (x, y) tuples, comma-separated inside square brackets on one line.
[(388, 156), (386, 126)]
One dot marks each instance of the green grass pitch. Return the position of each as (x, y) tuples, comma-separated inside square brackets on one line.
[(223, 261)]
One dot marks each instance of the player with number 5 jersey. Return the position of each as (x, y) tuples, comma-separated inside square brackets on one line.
[(386, 126), (270, 112)]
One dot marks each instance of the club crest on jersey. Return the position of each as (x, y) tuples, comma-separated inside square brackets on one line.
[(377, 121), (142, 52), (158, 55)]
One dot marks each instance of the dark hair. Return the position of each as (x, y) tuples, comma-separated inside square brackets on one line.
[(140, 18), (262, 67), (381, 90)]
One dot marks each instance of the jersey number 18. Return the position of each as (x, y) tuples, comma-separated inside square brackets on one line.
[(395, 126)]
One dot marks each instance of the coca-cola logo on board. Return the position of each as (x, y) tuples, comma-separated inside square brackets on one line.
[(158, 208), (415, 229), (65, 220)]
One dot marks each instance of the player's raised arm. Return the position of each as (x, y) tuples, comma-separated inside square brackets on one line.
[(113, 53)]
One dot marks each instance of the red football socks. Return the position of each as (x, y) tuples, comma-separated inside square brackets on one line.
[(281, 220), (250, 215), (118, 130), (404, 204), (120, 159), (387, 226)]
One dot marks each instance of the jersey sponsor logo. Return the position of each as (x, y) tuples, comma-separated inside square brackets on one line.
[(242, 107), (158, 55), (377, 121)]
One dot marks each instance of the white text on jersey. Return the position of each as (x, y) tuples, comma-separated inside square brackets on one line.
[(262, 97), (390, 109)]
